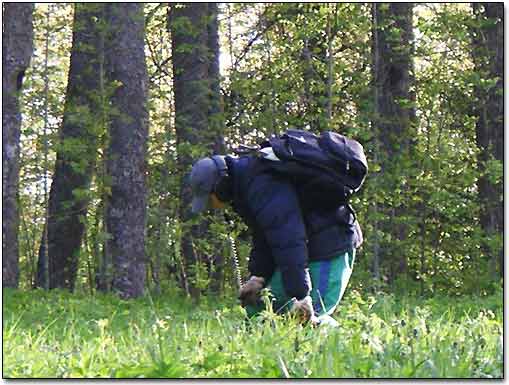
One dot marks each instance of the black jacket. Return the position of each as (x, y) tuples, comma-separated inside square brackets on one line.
[(286, 234)]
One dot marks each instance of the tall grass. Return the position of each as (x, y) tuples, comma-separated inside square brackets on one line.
[(56, 334)]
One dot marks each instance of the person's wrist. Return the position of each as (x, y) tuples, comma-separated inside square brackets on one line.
[(250, 291), (257, 279), (306, 299), (304, 307)]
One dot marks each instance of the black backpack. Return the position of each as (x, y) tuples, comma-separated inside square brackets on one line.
[(327, 169)]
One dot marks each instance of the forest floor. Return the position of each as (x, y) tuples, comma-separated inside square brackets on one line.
[(58, 334)]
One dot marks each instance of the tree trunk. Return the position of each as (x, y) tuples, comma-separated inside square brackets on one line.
[(216, 124), (394, 112), (330, 63), (17, 49), (375, 67), (68, 199), (488, 54), (393, 75), (126, 209), (316, 49), (44, 263), (216, 110), (188, 27)]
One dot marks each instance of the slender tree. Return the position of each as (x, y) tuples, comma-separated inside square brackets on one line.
[(393, 75), (216, 113), (75, 154), (44, 260), (317, 54), (488, 54), (126, 208), (394, 113), (17, 49), (215, 121), (189, 30)]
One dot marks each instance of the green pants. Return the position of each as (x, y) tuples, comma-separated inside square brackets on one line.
[(329, 279)]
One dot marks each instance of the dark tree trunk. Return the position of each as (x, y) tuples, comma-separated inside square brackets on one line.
[(314, 56), (393, 110), (17, 48), (216, 124), (188, 26), (216, 110), (126, 209), (393, 76), (76, 153), (488, 54)]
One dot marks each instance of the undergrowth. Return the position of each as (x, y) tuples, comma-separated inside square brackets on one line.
[(56, 334)]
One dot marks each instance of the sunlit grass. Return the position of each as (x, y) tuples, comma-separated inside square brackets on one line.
[(57, 334)]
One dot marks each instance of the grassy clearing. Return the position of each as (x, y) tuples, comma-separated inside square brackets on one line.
[(57, 334)]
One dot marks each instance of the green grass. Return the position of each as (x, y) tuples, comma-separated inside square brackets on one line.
[(57, 334)]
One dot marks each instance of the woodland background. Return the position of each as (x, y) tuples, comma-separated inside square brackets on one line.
[(106, 106)]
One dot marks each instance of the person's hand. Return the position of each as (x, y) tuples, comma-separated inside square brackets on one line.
[(250, 291), (304, 310)]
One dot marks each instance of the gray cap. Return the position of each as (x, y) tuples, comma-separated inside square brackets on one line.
[(204, 176)]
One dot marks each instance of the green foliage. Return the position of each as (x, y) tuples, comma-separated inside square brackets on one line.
[(432, 188), (282, 81), (274, 67), (52, 24), (56, 334)]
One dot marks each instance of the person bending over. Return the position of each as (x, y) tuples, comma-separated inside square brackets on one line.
[(302, 253)]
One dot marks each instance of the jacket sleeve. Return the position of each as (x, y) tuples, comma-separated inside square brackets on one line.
[(261, 262), (275, 206), (358, 238)]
